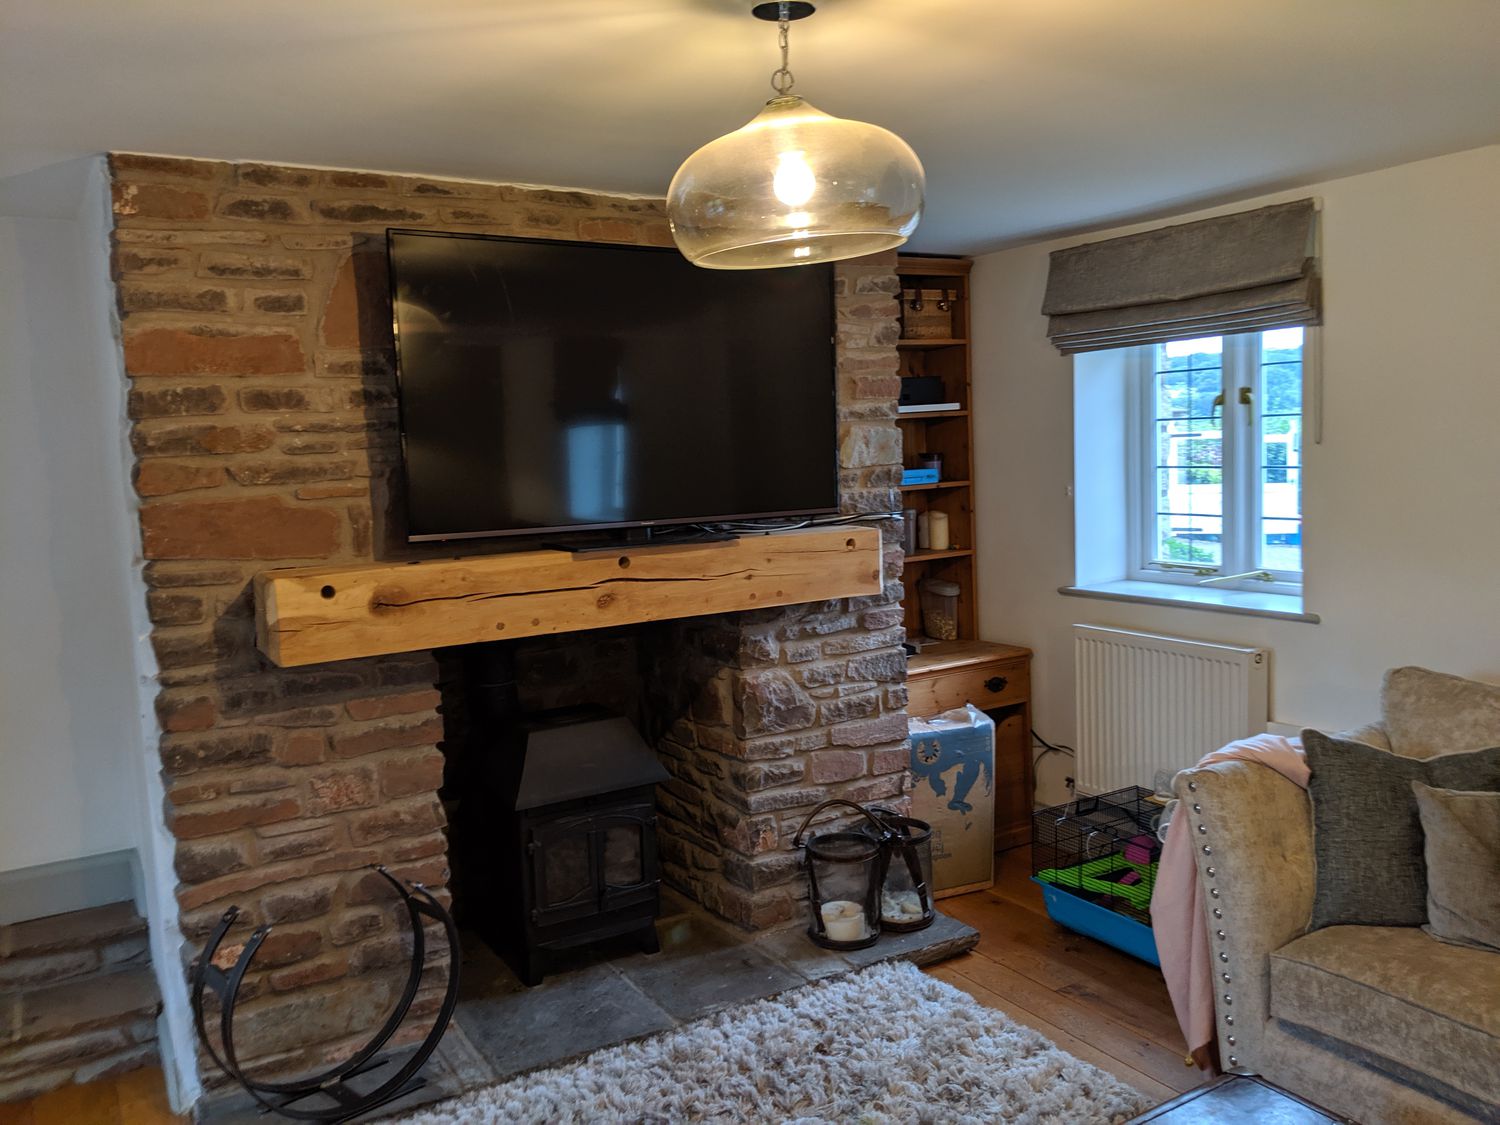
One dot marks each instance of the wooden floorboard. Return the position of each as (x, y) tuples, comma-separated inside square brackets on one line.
[(1090, 999), (138, 1097)]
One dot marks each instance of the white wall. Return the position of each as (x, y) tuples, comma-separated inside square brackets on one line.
[(78, 733), (1402, 498), (67, 681)]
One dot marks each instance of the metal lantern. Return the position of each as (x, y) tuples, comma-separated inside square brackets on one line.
[(845, 871), (906, 886)]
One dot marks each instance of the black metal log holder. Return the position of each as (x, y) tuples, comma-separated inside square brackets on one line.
[(333, 1084)]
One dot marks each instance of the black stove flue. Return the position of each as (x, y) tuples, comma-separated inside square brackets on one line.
[(557, 823)]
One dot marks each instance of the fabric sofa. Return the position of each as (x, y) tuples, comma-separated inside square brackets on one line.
[(1381, 1024)]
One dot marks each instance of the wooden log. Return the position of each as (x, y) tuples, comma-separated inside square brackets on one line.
[(307, 615)]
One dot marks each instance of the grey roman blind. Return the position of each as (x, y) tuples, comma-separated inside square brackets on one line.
[(1233, 273)]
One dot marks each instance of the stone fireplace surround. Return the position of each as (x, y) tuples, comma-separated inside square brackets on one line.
[(255, 329)]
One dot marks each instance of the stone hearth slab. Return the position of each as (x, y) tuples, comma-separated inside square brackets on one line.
[(566, 1015), (693, 984)]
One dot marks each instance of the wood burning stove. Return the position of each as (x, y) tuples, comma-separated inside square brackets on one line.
[(557, 825)]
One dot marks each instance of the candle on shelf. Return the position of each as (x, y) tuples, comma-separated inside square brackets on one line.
[(843, 920), (924, 530), (937, 531)]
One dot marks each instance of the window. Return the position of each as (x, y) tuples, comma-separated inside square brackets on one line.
[(1214, 455)]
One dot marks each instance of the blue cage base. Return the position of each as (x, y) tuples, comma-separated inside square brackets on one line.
[(1125, 934)]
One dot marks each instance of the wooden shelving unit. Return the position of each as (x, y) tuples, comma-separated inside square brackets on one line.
[(948, 432), (994, 677)]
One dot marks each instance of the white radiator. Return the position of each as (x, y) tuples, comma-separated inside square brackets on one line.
[(1147, 703)]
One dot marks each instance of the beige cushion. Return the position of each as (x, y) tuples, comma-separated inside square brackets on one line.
[(1461, 843), (1427, 713), (1397, 993)]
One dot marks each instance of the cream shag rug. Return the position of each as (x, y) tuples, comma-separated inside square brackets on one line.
[(888, 1044)]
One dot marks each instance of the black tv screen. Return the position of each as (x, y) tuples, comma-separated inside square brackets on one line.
[(550, 386)]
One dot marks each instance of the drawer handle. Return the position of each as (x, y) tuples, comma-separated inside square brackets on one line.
[(995, 683)]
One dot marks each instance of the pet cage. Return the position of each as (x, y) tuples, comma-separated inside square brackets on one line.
[(1095, 859)]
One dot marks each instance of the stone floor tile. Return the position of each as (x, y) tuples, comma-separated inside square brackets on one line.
[(563, 1017), (791, 946), (946, 937), (694, 985)]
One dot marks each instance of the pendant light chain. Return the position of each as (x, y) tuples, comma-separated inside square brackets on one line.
[(782, 80)]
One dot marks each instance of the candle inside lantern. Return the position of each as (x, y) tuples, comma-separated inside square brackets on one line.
[(900, 906), (843, 920)]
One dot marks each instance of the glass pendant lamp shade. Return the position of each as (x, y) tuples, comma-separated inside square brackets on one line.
[(793, 187)]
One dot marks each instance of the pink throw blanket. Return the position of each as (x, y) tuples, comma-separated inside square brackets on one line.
[(1177, 915)]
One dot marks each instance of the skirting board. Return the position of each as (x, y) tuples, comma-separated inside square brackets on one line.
[(308, 615)]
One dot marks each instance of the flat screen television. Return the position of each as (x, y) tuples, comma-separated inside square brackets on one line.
[(551, 386)]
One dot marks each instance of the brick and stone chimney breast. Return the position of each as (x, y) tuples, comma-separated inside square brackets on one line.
[(255, 327)]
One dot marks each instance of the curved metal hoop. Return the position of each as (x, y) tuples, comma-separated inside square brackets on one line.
[(281, 1097)]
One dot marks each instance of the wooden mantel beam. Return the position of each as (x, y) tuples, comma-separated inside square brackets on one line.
[(307, 615)]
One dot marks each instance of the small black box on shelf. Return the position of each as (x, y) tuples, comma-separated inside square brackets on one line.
[(920, 390)]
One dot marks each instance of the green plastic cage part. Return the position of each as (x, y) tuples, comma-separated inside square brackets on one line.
[(1089, 876)]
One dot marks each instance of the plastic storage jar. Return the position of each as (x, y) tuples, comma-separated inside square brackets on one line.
[(940, 609)]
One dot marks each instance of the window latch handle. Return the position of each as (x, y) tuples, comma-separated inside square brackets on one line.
[(1246, 398), (1218, 405)]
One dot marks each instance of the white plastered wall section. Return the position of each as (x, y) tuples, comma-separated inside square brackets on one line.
[(81, 805), (1402, 498)]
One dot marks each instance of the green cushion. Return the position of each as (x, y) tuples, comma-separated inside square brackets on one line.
[(1462, 850), (1367, 832)]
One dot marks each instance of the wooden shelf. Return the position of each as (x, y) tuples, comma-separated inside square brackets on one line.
[(923, 265), (931, 556), (994, 677), (307, 615), (929, 414), (950, 656), (935, 487)]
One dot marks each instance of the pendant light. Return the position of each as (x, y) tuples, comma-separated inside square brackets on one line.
[(795, 185)]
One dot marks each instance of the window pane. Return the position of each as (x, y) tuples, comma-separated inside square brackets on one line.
[(1184, 537), (1279, 543), (1283, 388), (1188, 468)]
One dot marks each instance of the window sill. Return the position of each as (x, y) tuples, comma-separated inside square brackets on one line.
[(1285, 607)]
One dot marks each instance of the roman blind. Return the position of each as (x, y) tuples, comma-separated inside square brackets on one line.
[(1233, 273)]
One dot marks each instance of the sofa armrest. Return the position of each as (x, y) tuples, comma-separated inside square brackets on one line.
[(1252, 842)]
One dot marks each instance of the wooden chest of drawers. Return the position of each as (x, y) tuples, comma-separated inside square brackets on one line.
[(996, 678)]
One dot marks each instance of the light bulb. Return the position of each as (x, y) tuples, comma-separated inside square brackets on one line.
[(793, 183)]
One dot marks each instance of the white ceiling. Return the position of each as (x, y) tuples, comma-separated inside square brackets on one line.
[(1032, 116)]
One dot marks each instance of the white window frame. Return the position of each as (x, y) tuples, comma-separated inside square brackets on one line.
[(1242, 497)]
